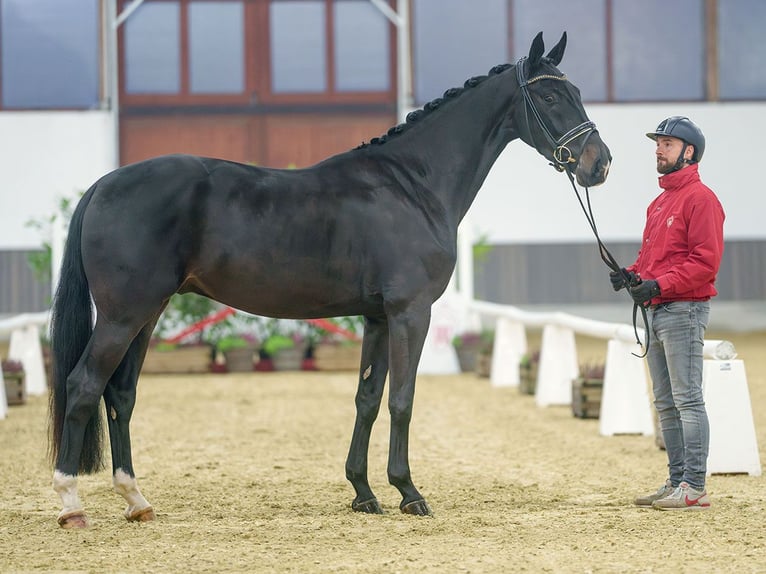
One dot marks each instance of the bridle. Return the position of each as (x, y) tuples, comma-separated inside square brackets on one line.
[(562, 155), (562, 159)]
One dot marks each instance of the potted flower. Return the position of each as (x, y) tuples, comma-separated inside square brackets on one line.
[(14, 380), (238, 352), (194, 354), (528, 367), (484, 357), (284, 347), (467, 346), (341, 348), (586, 391)]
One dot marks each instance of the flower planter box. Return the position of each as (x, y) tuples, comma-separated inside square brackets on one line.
[(192, 359), (527, 378), (338, 357), (586, 397), (15, 388), (484, 364), (290, 359), (240, 360)]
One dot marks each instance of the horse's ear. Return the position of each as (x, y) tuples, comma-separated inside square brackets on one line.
[(557, 52), (536, 51)]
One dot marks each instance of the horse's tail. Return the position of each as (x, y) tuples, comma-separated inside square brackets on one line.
[(71, 328)]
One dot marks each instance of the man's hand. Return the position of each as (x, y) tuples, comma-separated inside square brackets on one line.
[(618, 278), (645, 291)]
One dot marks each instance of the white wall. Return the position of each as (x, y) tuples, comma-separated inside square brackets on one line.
[(524, 200), (45, 156)]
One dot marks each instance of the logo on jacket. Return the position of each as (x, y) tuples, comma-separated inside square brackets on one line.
[(670, 221)]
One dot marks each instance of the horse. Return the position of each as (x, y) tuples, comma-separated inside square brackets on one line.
[(369, 232)]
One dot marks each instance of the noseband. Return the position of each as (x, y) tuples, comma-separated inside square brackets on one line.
[(562, 155)]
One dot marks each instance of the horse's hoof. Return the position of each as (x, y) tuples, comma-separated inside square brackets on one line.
[(73, 520), (418, 508), (143, 515), (370, 506)]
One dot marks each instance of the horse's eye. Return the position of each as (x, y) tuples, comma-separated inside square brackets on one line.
[(549, 98)]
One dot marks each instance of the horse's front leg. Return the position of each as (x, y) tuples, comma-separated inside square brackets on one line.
[(372, 380), (407, 334)]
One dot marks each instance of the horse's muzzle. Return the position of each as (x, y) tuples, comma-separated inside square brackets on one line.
[(594, 162)]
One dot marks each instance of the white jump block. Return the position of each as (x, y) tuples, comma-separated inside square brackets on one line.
[(558, 366), (439, 356), (3, 397), (25, 347), (509, 347), (625, 404), (733, 443)]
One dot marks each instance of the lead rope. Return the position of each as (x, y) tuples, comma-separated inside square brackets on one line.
[(611, 262)]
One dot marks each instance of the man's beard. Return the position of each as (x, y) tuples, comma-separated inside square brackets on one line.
[(665, 166)]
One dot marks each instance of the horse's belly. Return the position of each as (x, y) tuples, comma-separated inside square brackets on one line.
[(290, 289)]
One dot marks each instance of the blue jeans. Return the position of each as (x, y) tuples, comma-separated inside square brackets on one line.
[(675, 360)]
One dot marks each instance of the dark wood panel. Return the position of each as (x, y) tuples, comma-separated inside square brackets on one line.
[(228, 137), (303, 140), (278, 140)]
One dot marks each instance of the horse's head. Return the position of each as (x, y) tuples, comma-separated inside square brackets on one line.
[(552, 120)]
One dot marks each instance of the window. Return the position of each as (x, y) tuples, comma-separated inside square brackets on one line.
[(331, 49), (298, 46), (153, 49), (362, 47), (741, 49), (216, 36), (453, 41), (256, 51), (585, 59), (658, 50), (50, 54)]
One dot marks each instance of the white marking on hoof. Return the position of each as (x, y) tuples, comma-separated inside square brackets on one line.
[(113, 413), (65, 486), (367, 373), (127, 487)]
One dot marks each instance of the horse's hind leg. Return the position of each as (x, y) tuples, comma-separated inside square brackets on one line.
[(120, 398), (85, 387), (372, 379)]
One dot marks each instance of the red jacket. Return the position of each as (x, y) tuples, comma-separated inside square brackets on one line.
[(683, 239)]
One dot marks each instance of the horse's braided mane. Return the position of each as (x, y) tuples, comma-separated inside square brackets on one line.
[(433, 105)]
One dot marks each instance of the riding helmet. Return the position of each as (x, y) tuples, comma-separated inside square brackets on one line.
[(684, 129)]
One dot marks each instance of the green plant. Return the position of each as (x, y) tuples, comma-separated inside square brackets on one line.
[(481, 249), (231, 342), (479, 339), (41, 261)]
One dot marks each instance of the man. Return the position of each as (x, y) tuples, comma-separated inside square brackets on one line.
[(673, 277)]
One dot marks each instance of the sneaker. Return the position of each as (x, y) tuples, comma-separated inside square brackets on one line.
[(684, 497), (648, 499)]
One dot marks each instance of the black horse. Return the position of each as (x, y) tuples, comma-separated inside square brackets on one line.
[(368, 232)]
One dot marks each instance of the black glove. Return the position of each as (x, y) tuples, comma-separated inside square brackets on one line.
[(645, 291), (618, 278)]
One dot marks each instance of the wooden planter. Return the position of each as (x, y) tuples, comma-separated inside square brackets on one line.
[(290, 359), (528, 378), (338, 356), (586, 397), (15, 388), (192, 359), (240, 360), (467, 356), (484, 364)]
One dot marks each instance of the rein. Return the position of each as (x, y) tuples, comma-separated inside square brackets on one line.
[(562, 157)]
